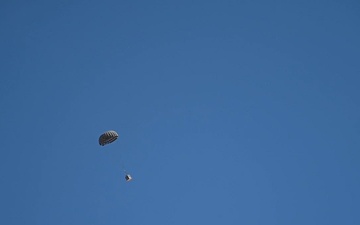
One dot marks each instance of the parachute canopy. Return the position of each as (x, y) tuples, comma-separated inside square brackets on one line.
[(108, 137)]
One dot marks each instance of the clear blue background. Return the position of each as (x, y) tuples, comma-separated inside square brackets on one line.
[(229, 112)]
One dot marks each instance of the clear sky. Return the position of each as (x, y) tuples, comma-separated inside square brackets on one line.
[(229, 112)]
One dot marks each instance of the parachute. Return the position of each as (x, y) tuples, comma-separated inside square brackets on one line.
[(108, 137)]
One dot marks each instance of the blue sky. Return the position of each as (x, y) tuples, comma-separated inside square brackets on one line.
[(229, 112)]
